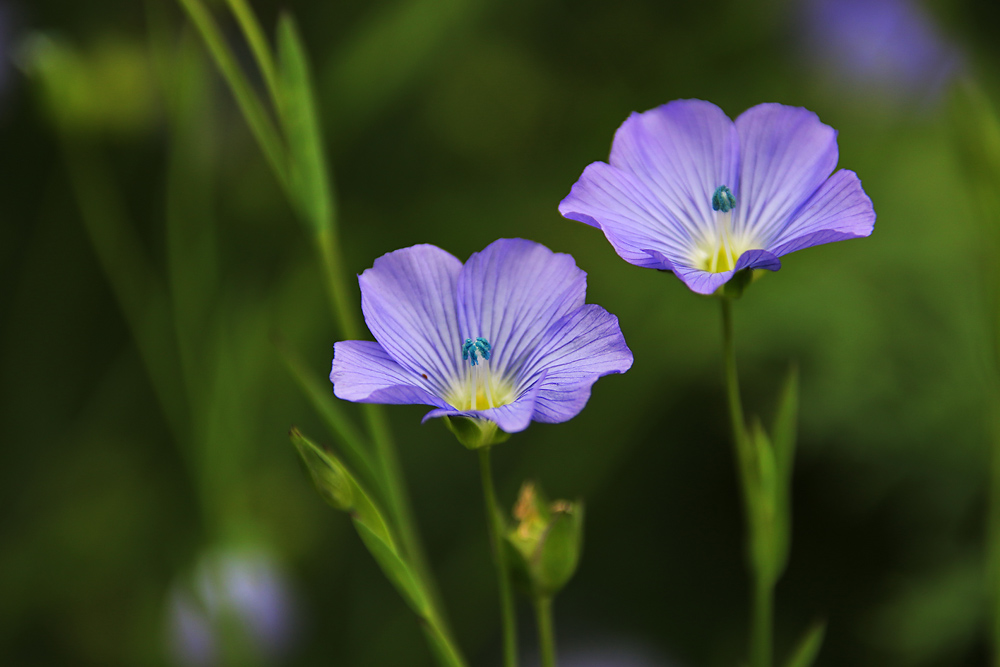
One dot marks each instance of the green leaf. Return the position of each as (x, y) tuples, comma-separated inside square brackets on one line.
[(354, 444), (807, 650), (339, 488), (258, 44), (331, 478), (253, 109), (397, 571), (770, 509), (309, 173), (784, 431)]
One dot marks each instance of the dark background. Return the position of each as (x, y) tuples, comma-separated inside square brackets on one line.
[(456, 122)]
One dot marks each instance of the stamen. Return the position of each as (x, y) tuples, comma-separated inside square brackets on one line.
[(479, 388), (473, 349), (723, 199)]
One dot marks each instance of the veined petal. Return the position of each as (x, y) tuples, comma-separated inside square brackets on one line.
[(511, 293), (839, 210), (574, 353), (511, 418), (408, 299), (682, 151), (633, 219), (786, 154), (364, 372), (706, 282)]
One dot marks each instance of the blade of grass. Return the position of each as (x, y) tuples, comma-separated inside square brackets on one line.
[(253, 110), (258, 45), (319, 395)]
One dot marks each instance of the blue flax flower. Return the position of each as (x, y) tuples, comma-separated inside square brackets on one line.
[(690, 191), (507, 337), (889, 48)]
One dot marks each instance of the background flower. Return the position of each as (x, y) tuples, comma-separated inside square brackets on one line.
[(689, 191), (883, 48)]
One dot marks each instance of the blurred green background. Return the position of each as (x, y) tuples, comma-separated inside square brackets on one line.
[(132, 463)]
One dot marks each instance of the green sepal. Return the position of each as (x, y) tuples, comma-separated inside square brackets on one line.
[(544, 548), (475, 433), (733, 288), (807, 650)]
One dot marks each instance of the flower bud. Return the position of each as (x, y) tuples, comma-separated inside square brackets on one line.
[(545, 544), (331, 479)]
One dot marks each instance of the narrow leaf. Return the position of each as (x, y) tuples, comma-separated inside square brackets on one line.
[(807, 650), (258, 44), (354, 444), (253, 110), (330, 477), (397, 571), (340, 488), (784, 431), (309, 173), (770, 510)]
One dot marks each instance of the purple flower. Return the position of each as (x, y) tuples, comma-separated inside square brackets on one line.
[(888, 47), (234, 590), (690, 191), (506, 337)]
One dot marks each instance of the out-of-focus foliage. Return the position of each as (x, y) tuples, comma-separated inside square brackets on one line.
[(149, 260)]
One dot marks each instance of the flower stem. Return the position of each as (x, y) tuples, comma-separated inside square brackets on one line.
[(546, 634), (495, 520), (762, 612), (993, 528)]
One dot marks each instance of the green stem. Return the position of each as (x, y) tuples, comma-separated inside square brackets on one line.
[(993, 528), (546, 634), (495, 520), (763, 590), (763, 621)]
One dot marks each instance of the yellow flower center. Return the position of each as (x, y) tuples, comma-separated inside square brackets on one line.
[(720, 248), (479, 388)]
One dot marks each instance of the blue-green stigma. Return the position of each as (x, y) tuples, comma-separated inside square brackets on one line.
[(473, 349), (723, 199)]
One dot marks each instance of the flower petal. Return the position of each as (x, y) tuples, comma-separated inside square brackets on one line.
[(706, 282), (633, 219), (839, 210), (575, 352), (786, 153), (408, 299), (682, 151), (511, 418), (511, 292), (364, 372)]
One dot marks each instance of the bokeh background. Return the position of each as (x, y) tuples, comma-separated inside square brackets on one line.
[(150, 265)]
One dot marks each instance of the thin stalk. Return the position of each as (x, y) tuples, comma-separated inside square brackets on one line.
[(993, 529), (495, 521), (763, 621), (546, 634), (763, 590)]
